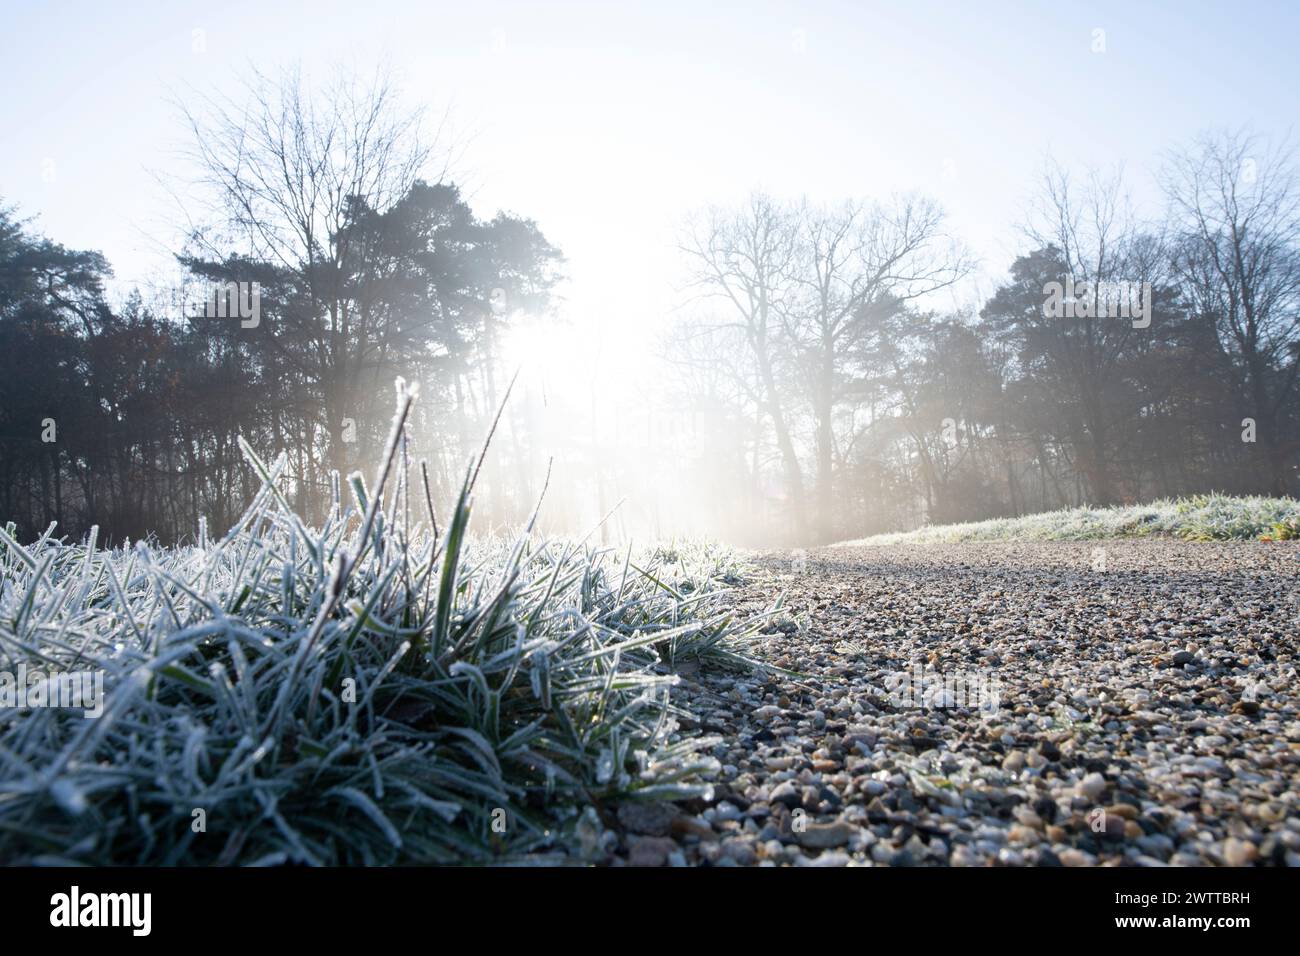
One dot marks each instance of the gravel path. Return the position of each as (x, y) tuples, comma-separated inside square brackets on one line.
[(1056, 703)]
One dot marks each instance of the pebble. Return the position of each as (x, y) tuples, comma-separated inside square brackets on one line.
[(1092, 786), (649, 818), (1194, 762), (823, 835), (651, 851), (831, 858), (1239, 852), (1073, 857), (726, 811), (741, 851), (786, 793)]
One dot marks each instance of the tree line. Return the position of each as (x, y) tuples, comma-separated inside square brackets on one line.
[(361, 270), (1119, 361), (825, 394)]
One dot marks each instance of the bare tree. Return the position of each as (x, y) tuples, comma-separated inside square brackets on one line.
[(811, 294), (1236, 204), (858, 266), (286, 171), (744, 259)]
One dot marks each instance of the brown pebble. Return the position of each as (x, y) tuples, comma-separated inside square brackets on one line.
[(689, 827)]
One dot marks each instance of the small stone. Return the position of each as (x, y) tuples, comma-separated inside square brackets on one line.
[(1239, 852), (741, 851), (1014, 761), (903, 857), (786, 793), (727, 811), (1022, 835), (872, 788), (832, 858), (688, 826), (962, 856), (1112, 827), (1072, 857), (651, 851), (1026, 815), (1092, 786), (650, 819), (820, 836)]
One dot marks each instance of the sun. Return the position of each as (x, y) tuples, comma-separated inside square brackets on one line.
[(531, 343), (548, 355)]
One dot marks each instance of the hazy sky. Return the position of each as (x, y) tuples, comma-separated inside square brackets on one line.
[(607, 121)]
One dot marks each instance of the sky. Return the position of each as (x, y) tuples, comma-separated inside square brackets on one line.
[(608, 122)]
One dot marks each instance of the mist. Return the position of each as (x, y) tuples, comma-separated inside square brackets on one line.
[(765, 330)]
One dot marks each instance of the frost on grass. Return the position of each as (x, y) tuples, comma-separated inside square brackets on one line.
[(1199, 518), (376, 690)]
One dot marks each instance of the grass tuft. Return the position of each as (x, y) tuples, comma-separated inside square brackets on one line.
[(1211, 517), (358, 693)]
